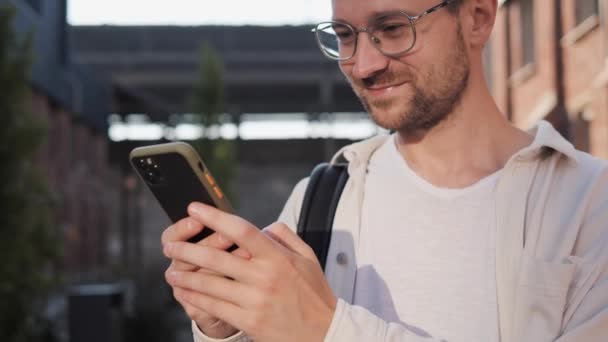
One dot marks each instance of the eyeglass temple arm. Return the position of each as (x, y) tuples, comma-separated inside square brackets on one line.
[(432, 9)]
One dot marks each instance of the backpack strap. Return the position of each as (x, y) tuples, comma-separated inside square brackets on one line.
[(319, 207)]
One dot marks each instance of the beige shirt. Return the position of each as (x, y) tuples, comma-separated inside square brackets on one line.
[(551, 247), (446, 237)]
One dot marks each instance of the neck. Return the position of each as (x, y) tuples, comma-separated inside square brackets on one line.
[(474, 142)]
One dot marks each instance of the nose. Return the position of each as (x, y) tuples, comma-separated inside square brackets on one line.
[(368, 60)]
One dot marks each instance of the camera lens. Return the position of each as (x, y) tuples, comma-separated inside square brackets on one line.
[(152, 173), (141, 163)]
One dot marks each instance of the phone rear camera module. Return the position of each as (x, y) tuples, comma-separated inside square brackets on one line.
[(153, 175), (142, 164)]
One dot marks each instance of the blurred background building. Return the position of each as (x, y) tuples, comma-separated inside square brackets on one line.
[(104, 90), (548, 59)]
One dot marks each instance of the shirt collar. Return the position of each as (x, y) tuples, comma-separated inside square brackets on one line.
[(544, 136)]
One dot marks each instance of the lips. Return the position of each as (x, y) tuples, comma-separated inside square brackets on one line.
[(384, 90)]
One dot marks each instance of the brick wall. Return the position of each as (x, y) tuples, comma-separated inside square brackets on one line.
[(75, 160), (532, 92)]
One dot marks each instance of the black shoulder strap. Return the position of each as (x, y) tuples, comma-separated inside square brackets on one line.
[(319, 207)]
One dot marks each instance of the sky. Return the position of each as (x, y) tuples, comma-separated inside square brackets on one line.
[(197, 12)]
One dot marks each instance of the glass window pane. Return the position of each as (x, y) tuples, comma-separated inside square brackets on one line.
[(586, 9)]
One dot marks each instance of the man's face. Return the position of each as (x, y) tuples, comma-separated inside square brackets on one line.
[(414, 92)]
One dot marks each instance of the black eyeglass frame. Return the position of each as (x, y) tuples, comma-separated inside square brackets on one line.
[(372, 38)]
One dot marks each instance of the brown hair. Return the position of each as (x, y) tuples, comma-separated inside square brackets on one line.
[(454, 6)]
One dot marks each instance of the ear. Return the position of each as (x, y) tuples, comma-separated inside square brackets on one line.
[(478, 17)]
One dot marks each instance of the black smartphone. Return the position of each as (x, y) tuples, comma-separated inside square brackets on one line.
[(177, 176)]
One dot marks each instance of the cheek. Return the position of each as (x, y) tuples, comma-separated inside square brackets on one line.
[(347, 70)]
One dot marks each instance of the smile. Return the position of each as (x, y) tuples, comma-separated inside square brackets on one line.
[(384, 90)]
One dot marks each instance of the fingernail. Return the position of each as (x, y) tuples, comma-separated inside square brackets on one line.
[(197, 207)]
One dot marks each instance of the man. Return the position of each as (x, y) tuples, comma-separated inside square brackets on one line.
[(458, 227)]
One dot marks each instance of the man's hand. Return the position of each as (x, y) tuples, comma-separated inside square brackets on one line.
[(181, 232), (279, 293)]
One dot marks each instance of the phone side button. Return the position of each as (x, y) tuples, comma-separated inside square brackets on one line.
[(210, 179), (218, 192)]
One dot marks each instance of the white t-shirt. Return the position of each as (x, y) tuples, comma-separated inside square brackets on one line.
[(427, 254)]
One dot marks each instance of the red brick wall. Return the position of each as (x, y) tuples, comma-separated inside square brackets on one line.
[(584, 59), (75, 161)]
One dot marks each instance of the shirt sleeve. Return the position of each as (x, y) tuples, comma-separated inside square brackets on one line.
[(199, 336), (356, 324)]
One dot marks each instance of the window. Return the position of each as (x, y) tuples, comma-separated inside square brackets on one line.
[(36, 5), (527, 32), (586, 9)]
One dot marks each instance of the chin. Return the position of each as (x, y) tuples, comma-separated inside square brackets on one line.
[(389, 115), (387, 119)]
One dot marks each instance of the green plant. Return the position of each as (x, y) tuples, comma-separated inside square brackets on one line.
[(208, 103), (28, 234)]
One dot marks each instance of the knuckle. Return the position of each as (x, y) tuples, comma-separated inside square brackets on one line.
[(284, 265), (248, 234), (176, 295), (167, 272), (260, 303), (309, 252), (190, 225), (165, 236), (272, 283), (193, 313), (281, 228), (254, 322)]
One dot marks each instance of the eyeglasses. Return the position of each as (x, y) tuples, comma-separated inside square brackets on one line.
[(393, 34)]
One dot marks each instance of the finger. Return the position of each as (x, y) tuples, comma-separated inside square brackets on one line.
[(184, 230), (281, 233), (225, 311), (242, 253), (203, 319), (211, 259), (181, 230), (177, 265), (187, 228), (243, 233), (216, 240), (215, 286), (196, 314)]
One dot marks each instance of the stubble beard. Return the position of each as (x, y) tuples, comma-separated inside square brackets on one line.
[(433, 99)]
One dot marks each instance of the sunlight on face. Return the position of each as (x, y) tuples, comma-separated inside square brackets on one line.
[(418, 90)]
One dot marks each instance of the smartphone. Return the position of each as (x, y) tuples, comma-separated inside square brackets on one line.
[(177, 176)]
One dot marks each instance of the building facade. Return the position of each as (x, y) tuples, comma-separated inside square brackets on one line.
[(548, 59), (73, 105)]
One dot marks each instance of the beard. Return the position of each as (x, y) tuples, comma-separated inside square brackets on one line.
[(433, 97)]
